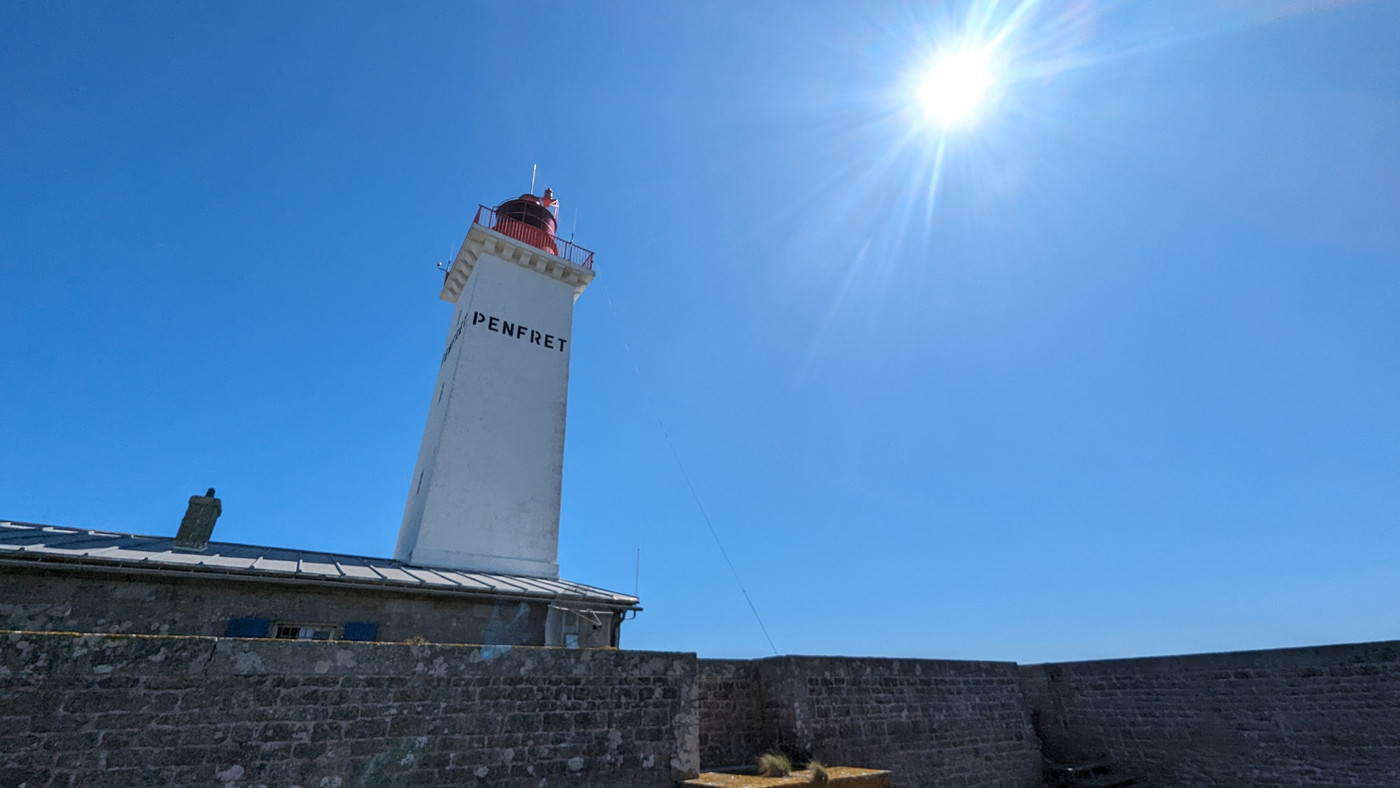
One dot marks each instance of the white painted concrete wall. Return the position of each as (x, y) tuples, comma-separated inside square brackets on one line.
[(485, 492)]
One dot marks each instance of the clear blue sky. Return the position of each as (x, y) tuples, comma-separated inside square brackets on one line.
[(1130, 384)]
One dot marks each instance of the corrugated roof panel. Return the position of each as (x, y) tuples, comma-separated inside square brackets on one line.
[(229, 561), (579, 589), (429, 577), (244, 551), (179, 557), (80, 541), (134, 556), (538, 585), (544, 585), (461, 578), (58, 529), (318, 564), (353, 567), (51, 550), (503, 583), (16, 539), (270, 564), (130, 549), (396, 575)]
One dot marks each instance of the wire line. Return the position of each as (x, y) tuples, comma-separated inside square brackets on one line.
[(666, 435)]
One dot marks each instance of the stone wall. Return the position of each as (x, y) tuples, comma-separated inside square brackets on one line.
[(67, 600), (123, 710), (1327, 716), (931, 722), (733, 727), (140, 709)]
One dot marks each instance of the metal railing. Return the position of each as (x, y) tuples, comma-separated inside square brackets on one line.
[(534, 236)]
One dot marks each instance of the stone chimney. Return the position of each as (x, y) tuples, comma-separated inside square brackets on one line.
[(198, 524)]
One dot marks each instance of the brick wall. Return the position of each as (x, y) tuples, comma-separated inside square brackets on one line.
[(1327, 716), (931, 722), (125, 710)]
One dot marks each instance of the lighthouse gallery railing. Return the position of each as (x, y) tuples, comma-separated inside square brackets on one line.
[(491, 219)]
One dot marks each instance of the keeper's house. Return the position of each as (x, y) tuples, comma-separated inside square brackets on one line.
[(75, 580)]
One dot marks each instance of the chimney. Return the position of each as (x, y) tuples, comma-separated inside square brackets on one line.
[(198, 524)]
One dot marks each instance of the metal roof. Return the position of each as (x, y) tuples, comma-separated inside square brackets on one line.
[(102, 549)]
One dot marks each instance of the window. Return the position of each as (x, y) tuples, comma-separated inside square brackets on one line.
[(247, 628), (361, 630), (305, 632), (571, 627), (296, 630)]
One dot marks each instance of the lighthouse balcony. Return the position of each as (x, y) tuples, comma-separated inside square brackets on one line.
[(515, 220)]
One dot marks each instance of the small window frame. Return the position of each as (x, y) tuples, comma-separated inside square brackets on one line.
[(304, 630)]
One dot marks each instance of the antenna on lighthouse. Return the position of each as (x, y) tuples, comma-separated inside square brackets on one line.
[(534, 168)]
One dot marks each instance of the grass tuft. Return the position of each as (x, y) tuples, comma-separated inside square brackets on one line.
[(774, 765), (818, 770)]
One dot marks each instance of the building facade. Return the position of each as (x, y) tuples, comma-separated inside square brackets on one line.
[(73, 580)]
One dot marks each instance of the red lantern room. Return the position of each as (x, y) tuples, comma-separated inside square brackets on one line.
[(526, 219)]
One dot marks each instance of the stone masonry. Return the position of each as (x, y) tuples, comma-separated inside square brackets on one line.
[(931, 722), (96, 710), (1327, 716), (123, 710), (36, 598), (734, 729)]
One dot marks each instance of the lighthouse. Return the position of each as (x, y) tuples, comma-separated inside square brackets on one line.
[(484, 496)]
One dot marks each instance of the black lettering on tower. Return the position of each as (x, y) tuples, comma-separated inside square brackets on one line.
[(493, 324), (507, 327), (477, 317), (535, 337)]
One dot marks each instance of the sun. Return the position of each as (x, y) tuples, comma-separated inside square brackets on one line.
[(956, 86)]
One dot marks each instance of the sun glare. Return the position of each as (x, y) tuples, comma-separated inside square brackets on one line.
[(956, 87)]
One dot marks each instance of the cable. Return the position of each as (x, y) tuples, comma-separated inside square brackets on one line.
[(666, 435)]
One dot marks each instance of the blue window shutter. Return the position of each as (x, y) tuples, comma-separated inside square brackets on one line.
[(248, 627), (361, 630)]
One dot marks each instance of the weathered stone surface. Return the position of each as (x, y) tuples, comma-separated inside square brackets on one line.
[(152, 710), (1327, 716), (71, 600), (198, 523), (159, 710), (733, 728), (929, 722)]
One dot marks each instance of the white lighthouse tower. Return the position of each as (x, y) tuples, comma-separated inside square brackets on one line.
[(485, 492)]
